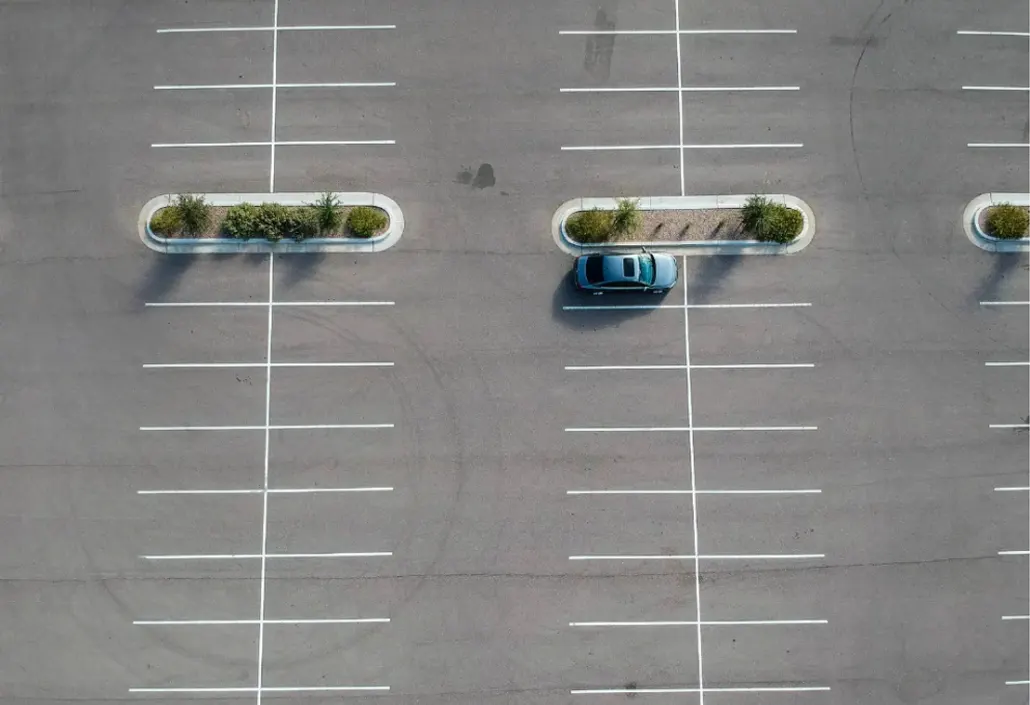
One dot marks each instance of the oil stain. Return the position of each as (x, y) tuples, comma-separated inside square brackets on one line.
[(483, 178)]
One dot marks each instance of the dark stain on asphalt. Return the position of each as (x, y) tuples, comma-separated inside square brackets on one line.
[(600, 47), (484, 177)]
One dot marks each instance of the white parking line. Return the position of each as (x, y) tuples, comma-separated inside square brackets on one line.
[(718, 623), (656, 691), (1012, 489), (708, 557), (1016, 616), (261, 304), (757, 305), (684, 89), (1007, 364), (1010, 425), (259, 556), (979, 33), (298, 28), (241, 86), (267, 689), (1017, 145), (760, 366), (639, 147), (659, 429), (279, 143), (580, 32), (297, 427), (1017, 682), (698, 492), (262, 365), (254, 622), (996, 88), (258, 490), (1014, 553)]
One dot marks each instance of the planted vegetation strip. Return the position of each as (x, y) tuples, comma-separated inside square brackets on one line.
[(760, 219), (1004, 221), (275, 221)]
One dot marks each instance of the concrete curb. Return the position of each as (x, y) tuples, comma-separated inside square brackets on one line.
[(971, 222), (198, 246), (706, 247)]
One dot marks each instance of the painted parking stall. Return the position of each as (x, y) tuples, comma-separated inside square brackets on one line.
[(262, 621)]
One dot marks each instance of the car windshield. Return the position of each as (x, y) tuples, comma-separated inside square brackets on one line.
[(647, 270)]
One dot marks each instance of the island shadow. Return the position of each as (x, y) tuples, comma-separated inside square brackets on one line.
[(1002, 266), (164, 275), (712, 272)]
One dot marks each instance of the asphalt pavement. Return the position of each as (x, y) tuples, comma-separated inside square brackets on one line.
[(436, 474)]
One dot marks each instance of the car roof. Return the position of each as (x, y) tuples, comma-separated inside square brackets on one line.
[(613, 268)]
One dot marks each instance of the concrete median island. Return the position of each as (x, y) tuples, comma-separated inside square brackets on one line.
[(211, 223), (703, 225)]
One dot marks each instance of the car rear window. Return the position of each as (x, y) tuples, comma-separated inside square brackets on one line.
[(595, 269)]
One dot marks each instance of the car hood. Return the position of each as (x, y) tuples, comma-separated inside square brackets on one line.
[(664, 271)]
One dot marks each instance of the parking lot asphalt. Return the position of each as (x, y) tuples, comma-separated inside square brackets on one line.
[(782, 486)]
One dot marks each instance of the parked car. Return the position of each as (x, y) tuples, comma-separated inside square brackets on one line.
[(647, 271)]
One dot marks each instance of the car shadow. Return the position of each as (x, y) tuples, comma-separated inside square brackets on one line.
[(567, 297)]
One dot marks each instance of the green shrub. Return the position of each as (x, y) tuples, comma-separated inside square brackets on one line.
[(271, 221), (326, 213), (241, 221), (365, 221), (166, 221), (1007, 221), (625, 219), (771, 222), (591, 226), (193, 212)]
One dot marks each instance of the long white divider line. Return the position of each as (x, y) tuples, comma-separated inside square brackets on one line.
[(693, 623), (244, 622), (297, 427), (1010, 425), (241, 86), (1016, 145), (681, 89), (980, 33), (638, 147), (686, 492), (759, 366), (258, 490), (288, 143), (579, 32), (267, 689), (1007, 364), (1012, 489), (296, 28), (261, 556), (1016, 616), (709, 557), (1014, 553), (688, 429), (662, 691), (238, 365), (1005, 303), (261, 304), (1023, 89)]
